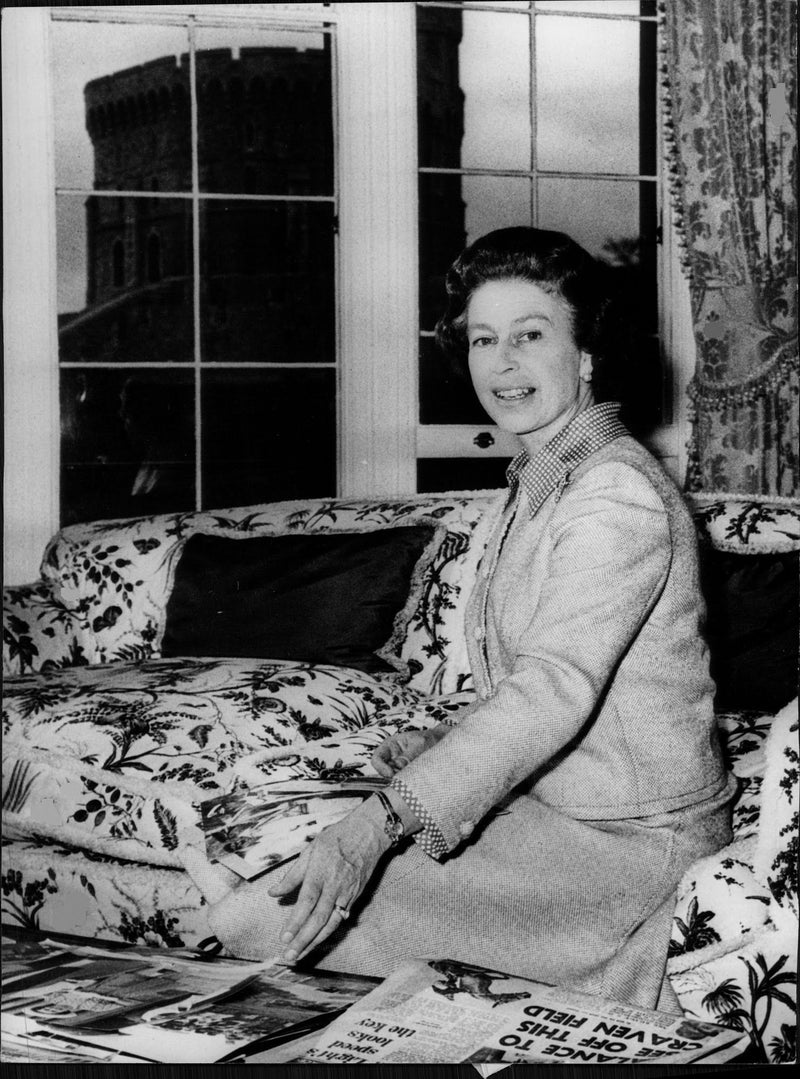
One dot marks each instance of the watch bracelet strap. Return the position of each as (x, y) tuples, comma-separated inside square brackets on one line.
[(394, 827)]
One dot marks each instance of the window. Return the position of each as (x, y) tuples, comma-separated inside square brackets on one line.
[(359, 398), (538, 114), (208, 376)]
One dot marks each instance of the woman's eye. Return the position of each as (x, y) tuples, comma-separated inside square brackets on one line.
[(480, 342), (531, 335)]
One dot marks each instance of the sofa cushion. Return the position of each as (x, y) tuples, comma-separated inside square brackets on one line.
[(39, 632), (315, 598), (429, 639), (116, 576), (752, 627), (61, 889), (111, 758)]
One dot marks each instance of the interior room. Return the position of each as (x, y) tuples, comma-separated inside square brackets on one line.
[(227, 231)]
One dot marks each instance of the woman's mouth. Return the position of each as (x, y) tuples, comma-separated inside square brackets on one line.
[(518, 393)]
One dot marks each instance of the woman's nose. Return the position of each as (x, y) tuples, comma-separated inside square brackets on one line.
[(506, 356)]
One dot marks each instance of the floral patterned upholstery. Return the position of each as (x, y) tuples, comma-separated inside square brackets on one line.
[(114, 757), (106, 584), (747, 524), (734, 942), (108, 748), (39, 632)]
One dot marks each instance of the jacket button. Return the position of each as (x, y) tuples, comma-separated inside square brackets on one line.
[(465, 828), (479, 633)]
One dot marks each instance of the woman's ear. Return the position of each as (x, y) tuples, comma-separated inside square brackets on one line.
[(586, 366)]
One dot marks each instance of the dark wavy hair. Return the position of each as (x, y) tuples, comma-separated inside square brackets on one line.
[(559, 266)]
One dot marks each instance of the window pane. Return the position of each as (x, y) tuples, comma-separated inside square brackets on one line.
[(461, 474), (454, 211), (267, 436), (441, 236), (445, 393), (267, 282), (614, 220), (127, 443), (265, 112), (473, 81), (495, 202), (121, 96), (124, 279), (588, 109)]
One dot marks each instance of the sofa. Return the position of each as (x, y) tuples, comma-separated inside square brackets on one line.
[(165, 660)]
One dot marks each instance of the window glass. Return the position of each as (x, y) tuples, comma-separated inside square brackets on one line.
[(264, 112), (267, 282), (446, 394), (587, 99), (219, 252), (268, 435), (121, 103), (495, 202), (454, 211), (127, 443), (474, 68), (614, 220), (124, 279)]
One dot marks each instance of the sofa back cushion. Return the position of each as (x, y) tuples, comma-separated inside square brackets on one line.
[(752, 627), (315, 598), (116, 577), (749, 550)]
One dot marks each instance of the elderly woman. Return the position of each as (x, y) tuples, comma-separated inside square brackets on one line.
[(544, 832)]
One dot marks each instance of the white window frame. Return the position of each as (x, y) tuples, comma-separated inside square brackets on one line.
[(377, 269)]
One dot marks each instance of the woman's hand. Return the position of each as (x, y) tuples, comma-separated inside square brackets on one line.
[(332, 873), (395, 753)]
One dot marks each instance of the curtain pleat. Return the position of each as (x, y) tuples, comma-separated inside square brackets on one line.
[(729, 72)]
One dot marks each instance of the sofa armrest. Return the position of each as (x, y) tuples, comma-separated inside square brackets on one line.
[(39, 632)]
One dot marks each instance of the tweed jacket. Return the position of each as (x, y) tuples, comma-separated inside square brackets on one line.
[(585, 640)]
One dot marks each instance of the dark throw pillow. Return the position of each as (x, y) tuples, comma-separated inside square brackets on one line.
[(752, 627), (320, 599)]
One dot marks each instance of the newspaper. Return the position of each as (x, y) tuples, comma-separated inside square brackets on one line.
[(255, 829), (225, 1010), (443, 1012)]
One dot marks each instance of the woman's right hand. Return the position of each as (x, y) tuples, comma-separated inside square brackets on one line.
[(395, 753)]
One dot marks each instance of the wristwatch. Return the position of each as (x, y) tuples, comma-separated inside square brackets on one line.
[(394, 825)]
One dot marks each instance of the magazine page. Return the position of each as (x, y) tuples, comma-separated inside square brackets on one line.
[(270, 1010), (78, 987), (283, 1002), (225, 1008), (441, 1011), (255, 829), (23, 1040)]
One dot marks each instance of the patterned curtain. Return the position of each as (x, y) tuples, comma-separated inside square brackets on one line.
[(731, 114)]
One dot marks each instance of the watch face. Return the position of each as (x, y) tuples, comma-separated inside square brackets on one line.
[(394, 826)]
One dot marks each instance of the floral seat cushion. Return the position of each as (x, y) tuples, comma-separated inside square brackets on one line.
[(115, 757)]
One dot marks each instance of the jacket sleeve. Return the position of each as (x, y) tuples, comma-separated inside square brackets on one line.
[(610, 556)]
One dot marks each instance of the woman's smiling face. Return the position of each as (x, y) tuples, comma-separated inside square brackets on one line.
[(526, 369)]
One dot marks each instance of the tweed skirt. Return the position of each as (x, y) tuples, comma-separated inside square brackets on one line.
[(584, 904)]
